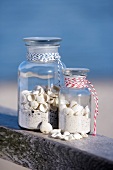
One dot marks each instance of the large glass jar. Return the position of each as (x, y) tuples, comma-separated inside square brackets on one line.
[(38, 83), (75, 102)]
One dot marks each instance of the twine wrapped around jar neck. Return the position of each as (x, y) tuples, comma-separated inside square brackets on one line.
[(43, 57), (82, 82)]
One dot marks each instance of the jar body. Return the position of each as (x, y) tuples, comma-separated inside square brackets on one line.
[(38, 83), (75, 110)]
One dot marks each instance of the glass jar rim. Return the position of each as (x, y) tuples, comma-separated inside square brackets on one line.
[(75, 71), (49, 41)]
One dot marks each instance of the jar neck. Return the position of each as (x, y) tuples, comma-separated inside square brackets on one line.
[(42, 53), (76, 81)]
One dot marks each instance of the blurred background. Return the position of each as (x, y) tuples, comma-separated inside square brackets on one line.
[(86, 28)]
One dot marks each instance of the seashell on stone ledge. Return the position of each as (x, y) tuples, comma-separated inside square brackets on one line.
[(45, 127)]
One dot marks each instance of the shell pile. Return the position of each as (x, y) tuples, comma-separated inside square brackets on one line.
[(57, 134), (73, 117), (46, 128), (41, 100)]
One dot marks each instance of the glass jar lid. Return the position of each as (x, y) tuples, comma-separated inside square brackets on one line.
[(75, 71), (50, 41)]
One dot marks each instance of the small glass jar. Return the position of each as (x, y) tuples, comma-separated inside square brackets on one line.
[(75, 102), (38, 83)]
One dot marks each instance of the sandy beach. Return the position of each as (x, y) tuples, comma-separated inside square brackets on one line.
[(104, 88)]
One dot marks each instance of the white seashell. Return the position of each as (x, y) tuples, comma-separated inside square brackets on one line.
[(77, 136), (66, 133), (25, 92), (55, 131), (66, 138), (73, 103), (23, 98), (40, 98), (43, 107), (71, 137), (87, 116), (38, 87), (51, 101), (86, 110), (49, 92), (45, 127), (36, 92), (56, 135), (77, 109), (30, 97), (68, 111), (56, 102), (53, 95), (62, 137), (34, 104), (40, 90), (84, 135), (46, 97), (83, 112)]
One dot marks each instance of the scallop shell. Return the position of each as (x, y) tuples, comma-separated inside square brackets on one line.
[(43, 107), (45, 127), (34, 104), (68, 111), (40, 98)]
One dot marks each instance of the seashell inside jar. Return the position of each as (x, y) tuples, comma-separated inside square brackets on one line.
[(38, 105)]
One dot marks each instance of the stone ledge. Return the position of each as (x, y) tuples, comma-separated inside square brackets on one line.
[(37, 151)]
